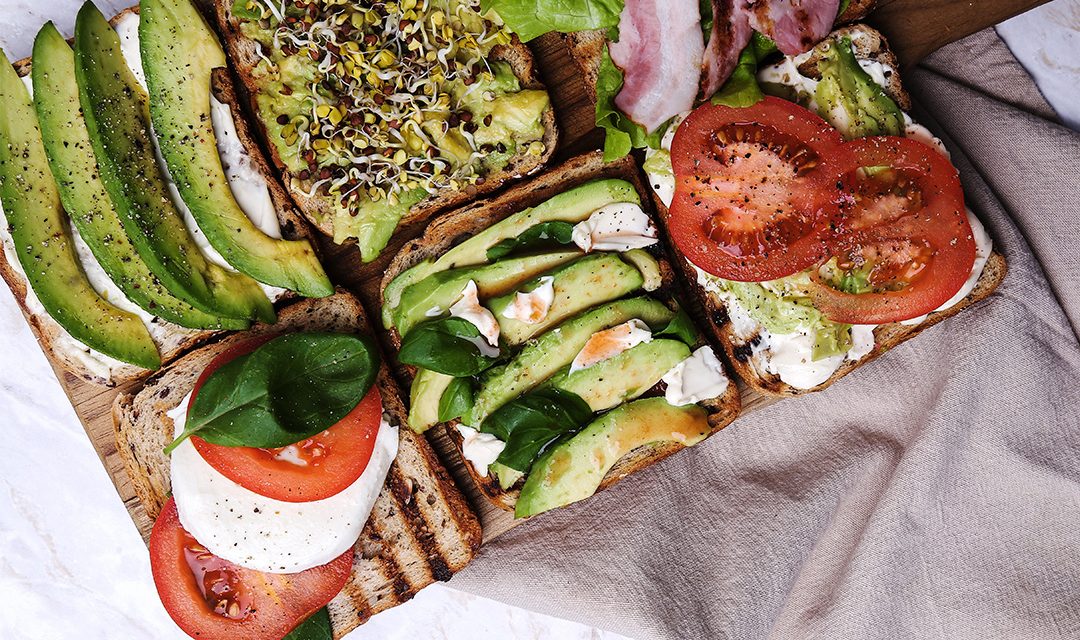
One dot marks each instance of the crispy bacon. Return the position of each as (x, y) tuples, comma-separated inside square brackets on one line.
[(794, 25)]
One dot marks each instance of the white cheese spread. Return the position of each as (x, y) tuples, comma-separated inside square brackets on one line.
[(698, 377), (619, 226), (480, 449)]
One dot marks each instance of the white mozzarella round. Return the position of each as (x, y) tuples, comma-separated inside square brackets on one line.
[(270, 535)]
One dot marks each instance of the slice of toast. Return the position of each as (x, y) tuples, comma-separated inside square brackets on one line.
[(452, 228), (421, 528), (868, 44), (172, 340), (244, 56)]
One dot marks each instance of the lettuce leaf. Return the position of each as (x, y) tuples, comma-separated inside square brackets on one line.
[(532, 18), (741, 88), (622, 133)]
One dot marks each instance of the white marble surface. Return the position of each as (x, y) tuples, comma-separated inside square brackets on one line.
[(71, 562)]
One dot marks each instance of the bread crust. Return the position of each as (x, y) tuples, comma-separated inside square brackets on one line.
[(244, 57), (451, 228), (421, 529)]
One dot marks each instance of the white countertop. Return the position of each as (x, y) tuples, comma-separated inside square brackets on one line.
[(72, 564)]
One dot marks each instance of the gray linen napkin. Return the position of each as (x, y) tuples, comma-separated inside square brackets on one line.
[(931, 494)]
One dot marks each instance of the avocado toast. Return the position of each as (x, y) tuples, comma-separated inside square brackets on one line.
[(382, 114), (554, 308)]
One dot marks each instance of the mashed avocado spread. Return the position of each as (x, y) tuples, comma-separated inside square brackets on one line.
[(374, 106)]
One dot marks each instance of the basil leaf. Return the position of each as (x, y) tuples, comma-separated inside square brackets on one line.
[(456, 400), (741, 88), (543, 235), (531, 423), (317, 627), (452, 346), (289, 389), (622, 133), (532, 18), (681, 327)]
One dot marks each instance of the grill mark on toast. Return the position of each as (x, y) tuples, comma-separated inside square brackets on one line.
[(402, 488)]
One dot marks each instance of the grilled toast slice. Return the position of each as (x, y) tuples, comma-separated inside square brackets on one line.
[(451, 228), (421, 528)]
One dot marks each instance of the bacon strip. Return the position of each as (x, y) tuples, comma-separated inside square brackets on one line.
[(660, 51), (794, 25), (730, 34)]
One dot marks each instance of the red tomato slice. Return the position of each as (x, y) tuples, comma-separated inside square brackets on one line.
[(755, 189), (214, 599), (313, 469), (904, 227)]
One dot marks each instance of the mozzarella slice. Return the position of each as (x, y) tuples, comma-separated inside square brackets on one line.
[(468, 308), (270, 535), (699, 377), (609, 343), (532, 307), (619, 226)]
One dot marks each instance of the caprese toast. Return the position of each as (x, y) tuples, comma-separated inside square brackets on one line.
[(545, 330), (287, 487), (164, 224)]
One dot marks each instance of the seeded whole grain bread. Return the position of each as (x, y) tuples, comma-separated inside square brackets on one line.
[(868, 44), (244, 57), (455, 227), (421, 528), (174, 340)]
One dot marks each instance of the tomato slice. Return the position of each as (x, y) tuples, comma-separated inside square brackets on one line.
[(313, 469), (903, 228), (755, 189), (214, 599)]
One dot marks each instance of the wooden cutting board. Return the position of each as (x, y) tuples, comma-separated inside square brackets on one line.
[(915, 28)]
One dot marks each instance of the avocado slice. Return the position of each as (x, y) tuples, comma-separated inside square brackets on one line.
[(850, 99), (573, 205), (586, 282), (435, 293), (573, 470), (71, 158), (611, 382), (179, 88), (542, 358), (118, 120), (424, 396), (43, 242), (648, 266)]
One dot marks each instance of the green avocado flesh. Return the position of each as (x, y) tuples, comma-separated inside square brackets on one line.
[(588, 281), (43, 243), (375, 106), (118, 121), (179, 89), (433, 295), (573, 470), (626, 376), (850, 99), (542, 358), (71, 158), (572, 206), (424, 396)]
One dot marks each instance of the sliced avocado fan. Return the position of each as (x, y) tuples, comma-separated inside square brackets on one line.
[(118, 120), (43, 242), (180, 109), (71, 158)]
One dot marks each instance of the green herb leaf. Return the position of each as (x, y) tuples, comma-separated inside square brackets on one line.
[(741, 88), (622, 133), (681, 327), (844, 4), (532, 18), (535, 421), (452, 346), (317, 627), (289, 389), (456, 400), (543, 235)]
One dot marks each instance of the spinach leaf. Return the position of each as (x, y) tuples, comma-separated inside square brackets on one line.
[(544, 234), (317, 627), (621, 133), (452, 346), (532, 18), (289, 389), (681, 327), (456, 400), (741, 88), (533, 422)]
